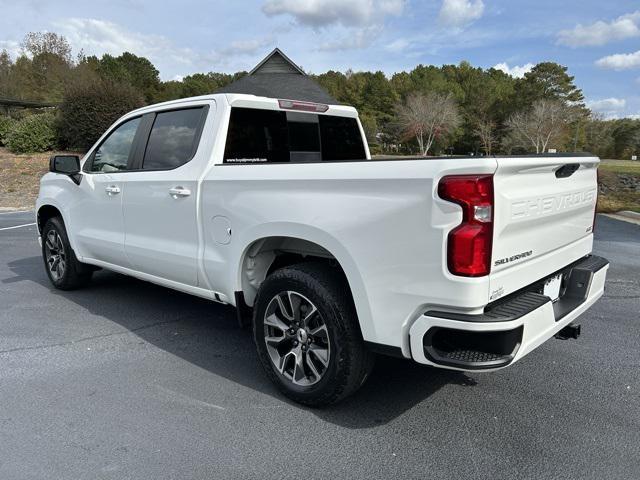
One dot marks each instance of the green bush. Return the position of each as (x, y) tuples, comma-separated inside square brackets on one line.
[(88, 109), (35, 133), (5, 126), (375, 149)]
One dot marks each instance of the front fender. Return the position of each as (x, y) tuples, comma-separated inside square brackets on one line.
[(53, 193)]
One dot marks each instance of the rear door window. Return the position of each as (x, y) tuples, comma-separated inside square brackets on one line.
[(173, 140)]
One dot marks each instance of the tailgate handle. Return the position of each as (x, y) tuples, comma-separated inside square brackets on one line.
[(567, 170)]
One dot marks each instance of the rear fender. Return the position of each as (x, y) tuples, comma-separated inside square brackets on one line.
[(327, 242)]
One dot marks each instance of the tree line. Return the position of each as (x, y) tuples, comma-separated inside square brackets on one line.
[(452, 109)]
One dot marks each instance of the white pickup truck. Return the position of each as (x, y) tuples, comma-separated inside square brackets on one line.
[(275, 207)]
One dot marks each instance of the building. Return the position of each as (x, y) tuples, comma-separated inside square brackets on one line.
[(9, 104), (276, 76)]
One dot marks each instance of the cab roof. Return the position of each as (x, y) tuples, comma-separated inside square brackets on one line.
[(244, 101)]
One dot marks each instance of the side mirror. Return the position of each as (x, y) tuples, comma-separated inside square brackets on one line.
[(66, 165)]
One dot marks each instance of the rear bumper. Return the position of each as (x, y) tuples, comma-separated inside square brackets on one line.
[(510, 329)]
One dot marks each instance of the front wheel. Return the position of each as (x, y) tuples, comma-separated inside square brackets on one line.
[(62, 267), (307, 334)]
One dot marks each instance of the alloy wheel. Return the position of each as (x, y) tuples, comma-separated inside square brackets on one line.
[(297, 338), (55, 255)]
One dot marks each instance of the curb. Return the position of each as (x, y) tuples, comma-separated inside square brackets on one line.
[(629, 214), (15, 210), (624, 217)]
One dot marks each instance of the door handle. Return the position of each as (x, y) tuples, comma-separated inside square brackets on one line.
[(176, 192), (112, 190)]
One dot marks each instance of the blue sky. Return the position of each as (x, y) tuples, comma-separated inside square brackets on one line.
[(598, 41)]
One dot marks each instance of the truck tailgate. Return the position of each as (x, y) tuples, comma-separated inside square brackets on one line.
[(543, 217)]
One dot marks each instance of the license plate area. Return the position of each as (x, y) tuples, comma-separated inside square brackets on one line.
[(552, 287)]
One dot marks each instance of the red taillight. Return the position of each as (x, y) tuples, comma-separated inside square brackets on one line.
[(469, 244)]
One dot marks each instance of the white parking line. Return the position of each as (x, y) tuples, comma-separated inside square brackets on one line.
[(17, 226), (15, 211)]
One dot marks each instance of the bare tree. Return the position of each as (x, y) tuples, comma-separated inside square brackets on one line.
[(485, 130), (543, 125), (427, 117), (598, 133), (39, 43)]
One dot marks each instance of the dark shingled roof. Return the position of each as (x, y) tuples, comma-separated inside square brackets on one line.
[(278, 77), (280, 85)]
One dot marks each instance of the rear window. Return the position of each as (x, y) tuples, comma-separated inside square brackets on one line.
[(269, 136), (173, 139)]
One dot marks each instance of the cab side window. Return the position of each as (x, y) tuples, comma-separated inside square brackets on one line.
[(257, 136), (113, 153)]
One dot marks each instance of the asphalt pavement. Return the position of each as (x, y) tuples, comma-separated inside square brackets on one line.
[(127, 380)]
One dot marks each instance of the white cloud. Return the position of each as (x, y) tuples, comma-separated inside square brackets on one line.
[(12, 47), (609, 108), (398, 45), (97, 37), (246, 47), (441, 41), (322, 13), (358, 38), (460, 13), (516, 71), (607, 104), (361, 20), (620, 61), (600, 33)]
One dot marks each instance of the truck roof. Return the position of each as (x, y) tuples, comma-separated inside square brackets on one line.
[(245, 101)]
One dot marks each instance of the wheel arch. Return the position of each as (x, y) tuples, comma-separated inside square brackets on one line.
[(264, 253), (47, 209), (46, 212)]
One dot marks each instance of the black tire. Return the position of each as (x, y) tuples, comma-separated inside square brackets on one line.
[(74, 274), (349, 361)]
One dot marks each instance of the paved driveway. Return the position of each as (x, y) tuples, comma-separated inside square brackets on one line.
[(127, 380)]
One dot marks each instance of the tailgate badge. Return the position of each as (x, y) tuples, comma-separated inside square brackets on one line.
[(513, 258)]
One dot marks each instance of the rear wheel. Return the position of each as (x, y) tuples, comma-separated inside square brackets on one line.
[(307, 334), (62, 267)]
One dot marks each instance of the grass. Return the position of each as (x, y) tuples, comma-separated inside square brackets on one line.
[(621, 166), (20, 178), (614, 195)]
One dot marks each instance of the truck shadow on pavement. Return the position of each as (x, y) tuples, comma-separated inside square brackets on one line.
[(206, 334)]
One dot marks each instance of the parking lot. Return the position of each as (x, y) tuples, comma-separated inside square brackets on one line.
[(127, 380)]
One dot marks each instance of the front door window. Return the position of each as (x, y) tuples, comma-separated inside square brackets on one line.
[(113, 153)]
